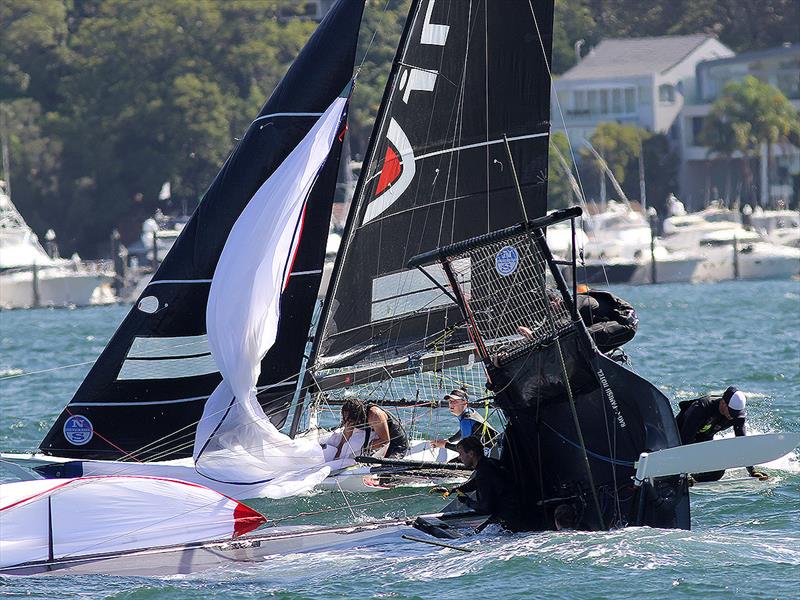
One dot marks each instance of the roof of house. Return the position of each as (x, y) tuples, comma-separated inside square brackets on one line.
[(635, 56)]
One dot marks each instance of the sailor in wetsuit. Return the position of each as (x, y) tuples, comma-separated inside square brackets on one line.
[(493, 486), (470, 423), (383, 431), (610, 320), (702, 418)]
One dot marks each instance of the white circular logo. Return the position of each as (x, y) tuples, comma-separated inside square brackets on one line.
[(506, 261), (78, 430), (148, 304)]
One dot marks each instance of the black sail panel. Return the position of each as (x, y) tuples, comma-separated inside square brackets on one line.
[(143, 396), (467, 74)]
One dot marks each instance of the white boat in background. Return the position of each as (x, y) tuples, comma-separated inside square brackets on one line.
[(729, 250), (780, 227), (617, 249), (30, 277)]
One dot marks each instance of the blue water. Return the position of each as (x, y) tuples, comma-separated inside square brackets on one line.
[(745, 539)]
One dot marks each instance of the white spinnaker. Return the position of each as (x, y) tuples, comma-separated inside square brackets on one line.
[(92, 515), (235, 441)]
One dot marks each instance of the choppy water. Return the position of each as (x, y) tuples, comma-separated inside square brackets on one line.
[(692, 339)]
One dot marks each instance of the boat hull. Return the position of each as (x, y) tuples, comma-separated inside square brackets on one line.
[(56, 288), (194, 558), (250, 549)]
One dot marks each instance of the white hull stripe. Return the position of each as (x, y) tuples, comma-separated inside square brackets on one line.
[(296, 273), (261, 388)]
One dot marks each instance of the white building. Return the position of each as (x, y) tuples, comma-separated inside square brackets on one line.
[(641, 81), (705, 177)]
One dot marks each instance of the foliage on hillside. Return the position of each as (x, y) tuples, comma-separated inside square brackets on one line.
[(108, 99)]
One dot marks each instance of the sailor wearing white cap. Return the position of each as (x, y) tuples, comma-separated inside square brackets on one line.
[(702, 418)]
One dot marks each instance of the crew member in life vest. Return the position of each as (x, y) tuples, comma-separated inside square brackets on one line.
[(470, 423), (702, 418)]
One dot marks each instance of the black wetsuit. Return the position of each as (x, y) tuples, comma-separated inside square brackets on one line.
[(470, 423), (610, 320), (699, 420), (494, 493), (398, 441)]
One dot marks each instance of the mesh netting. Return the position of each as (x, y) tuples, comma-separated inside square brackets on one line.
[(512, 301), (424, 413)]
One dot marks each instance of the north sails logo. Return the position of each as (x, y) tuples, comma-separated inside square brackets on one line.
[(398, 161), (611, 399)]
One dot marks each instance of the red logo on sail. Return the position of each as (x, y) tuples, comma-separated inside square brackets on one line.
[(397, 171)]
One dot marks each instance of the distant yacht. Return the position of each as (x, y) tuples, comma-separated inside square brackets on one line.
[(30, 277), (616, 249), (729, 250), (780, 227)]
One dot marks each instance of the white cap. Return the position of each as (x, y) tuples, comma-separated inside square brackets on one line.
[(737, 401)]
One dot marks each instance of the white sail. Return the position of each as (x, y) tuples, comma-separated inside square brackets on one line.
[(235, 441)]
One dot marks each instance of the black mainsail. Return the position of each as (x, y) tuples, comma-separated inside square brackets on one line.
[(467, 73), (144, 395)]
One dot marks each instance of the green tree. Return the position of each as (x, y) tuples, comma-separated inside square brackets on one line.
[(573, 22), (618, 145), (661, 162), (749, 113), (560, 192)]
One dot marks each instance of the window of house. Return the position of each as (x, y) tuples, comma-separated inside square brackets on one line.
[(697, 127), (666, 93), (630, 100), (616, 101), (594, 102), (579, 102)]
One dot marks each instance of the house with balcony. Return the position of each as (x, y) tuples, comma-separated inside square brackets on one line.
[(706, 177), (641, 81)]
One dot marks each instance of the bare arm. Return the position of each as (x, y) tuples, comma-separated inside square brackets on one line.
[(379, 423)]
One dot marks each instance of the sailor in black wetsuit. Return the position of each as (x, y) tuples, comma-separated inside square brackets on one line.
[(610, 320), (492, 484), (702, 418), (382, 429), (470, 423)]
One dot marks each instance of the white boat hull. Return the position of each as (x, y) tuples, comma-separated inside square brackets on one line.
[(252, 548), (57, 287), (756, 261), (672, 270), (202, 556)]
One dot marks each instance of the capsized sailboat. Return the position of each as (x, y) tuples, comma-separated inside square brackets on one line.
[(444, 258), (436, 172)]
